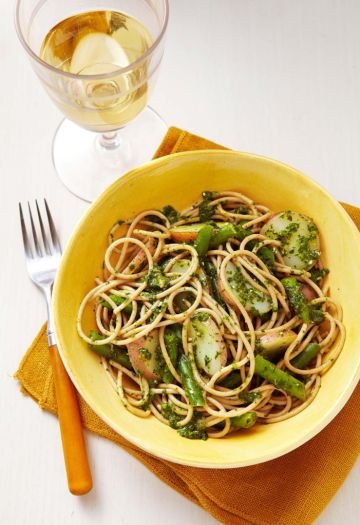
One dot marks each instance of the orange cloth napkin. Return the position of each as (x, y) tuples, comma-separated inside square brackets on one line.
[(289, 490)]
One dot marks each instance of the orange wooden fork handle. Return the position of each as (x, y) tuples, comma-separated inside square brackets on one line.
[(76, 461)]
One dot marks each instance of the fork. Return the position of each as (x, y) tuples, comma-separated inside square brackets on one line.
[(42, 253)]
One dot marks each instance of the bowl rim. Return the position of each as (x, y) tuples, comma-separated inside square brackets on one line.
[(281, 449)]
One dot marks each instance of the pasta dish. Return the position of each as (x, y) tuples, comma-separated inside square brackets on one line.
[(214, 319)]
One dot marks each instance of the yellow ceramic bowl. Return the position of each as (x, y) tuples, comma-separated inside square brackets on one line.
[(179, 179)]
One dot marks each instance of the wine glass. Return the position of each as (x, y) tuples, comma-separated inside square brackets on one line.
[(98, 61)]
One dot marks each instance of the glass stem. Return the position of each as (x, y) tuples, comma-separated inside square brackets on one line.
[(110, 140)]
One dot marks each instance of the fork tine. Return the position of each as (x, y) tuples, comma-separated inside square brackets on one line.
[(54, 237), (36, 242), (27, 246), (44, 238)]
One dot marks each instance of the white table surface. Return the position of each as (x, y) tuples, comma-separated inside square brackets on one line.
[(276, 77)]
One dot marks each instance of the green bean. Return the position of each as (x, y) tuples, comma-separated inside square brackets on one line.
[(223, 234), (233, 380), (246, 420), (282, 380), (173, 342), (305, 311), (117, 300), (192, 388), (267, 256), (119, 355), (212, 278), (307, 355), (227, 231), (202, 240), (296, 298)]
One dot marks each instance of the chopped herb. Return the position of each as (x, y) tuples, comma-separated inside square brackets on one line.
[(202, 316), (145, 354), (304, 251), (287, 215), (242, 210), (156, 279), (161, 369), (161, 307), (148, 401), (250, 397), (171, 213), (118, 301), (317, 274), (316, 315), (284, 235), (148, 296), (247, 294), (205, 209), (195, 429)]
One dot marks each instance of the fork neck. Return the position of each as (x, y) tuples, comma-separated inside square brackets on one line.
[(50, 331)]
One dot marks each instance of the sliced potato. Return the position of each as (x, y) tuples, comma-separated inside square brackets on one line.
[(298, 234), (253, 300), (273, 345), (187, 232), (308, 292), (209, 347), (180, 266), (142, 354)]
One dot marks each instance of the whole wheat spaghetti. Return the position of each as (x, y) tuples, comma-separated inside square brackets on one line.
[(216, 318)]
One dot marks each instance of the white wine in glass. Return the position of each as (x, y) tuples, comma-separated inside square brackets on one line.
[(94, 43), (98, 66)]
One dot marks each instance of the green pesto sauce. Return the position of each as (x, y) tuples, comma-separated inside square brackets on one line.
[(317, 274), (284, 235), (145, 354), (202, 316), (247, 294), (195, 429), (304, 251), (156, 279), (207, 361)]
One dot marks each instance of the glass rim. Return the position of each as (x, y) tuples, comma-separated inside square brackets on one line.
[(99, 76)]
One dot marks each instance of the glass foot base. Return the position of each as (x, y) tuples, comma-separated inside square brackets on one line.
[(86, 165)]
